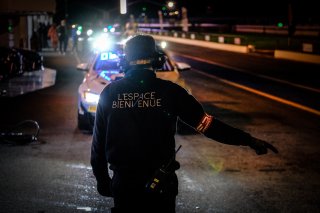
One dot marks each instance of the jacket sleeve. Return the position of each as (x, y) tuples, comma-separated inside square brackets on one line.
[(225, 133), (191, 112), (98, 154)]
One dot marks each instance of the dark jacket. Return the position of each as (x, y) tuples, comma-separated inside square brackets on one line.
[(136, 119)]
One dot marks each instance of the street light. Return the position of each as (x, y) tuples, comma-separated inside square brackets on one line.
[(170, 4), (123, 6), (172, 9)]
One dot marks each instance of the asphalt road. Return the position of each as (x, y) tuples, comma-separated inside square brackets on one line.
[(295, 83), (54, 174)]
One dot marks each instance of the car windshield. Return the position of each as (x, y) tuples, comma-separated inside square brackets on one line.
[(111, 61), (107, 61)]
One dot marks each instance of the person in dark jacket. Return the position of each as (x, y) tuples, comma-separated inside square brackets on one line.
[(63, 37), (134, 132)]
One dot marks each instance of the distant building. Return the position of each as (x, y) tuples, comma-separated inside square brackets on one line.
[(19, 19)]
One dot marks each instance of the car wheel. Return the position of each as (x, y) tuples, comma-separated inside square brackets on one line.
[(83, 124), (184, 129)]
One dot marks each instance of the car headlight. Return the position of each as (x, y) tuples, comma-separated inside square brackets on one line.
[(163, 44), (89, 32), (91, 97), (103, 42)]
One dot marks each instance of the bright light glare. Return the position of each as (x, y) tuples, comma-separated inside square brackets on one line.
[(102, 43), (89, 32), (170, 4), (123, 6), (163, 44), (91, 97)]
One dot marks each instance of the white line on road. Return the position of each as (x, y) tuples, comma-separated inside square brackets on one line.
[(272, 97), (244, 71)]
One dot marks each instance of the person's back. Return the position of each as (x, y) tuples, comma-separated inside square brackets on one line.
[(140, 133), (74, 37), (63, 36), (61, 30), (141, 109), (134, 133)]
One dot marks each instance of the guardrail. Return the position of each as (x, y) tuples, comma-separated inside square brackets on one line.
[(232, 43), (206, 44), (299, 30)]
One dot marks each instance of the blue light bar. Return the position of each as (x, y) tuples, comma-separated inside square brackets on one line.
[(108, 56)]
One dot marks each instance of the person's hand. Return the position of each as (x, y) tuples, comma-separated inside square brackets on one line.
[(104, 189), (261, 147)]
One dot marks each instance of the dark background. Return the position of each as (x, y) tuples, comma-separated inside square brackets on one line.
[(303, 12)]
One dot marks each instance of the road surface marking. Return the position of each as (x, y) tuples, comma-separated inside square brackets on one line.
[(272, 97), (244, 71)]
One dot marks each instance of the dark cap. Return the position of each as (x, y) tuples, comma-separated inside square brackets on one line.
[(140, 47)]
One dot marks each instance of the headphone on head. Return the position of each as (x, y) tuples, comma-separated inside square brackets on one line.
[(156, 62), (142, 52)]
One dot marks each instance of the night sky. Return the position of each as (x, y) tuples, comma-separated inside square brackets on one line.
[(92, 10)]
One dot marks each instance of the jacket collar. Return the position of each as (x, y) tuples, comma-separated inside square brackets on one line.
[(141, 73)]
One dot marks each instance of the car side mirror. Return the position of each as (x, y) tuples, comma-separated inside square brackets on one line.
[(83, 66), (183, 66)]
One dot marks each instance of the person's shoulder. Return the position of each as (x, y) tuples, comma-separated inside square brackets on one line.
[(169, 83), (165, 82), (170, 86), (113, 85)]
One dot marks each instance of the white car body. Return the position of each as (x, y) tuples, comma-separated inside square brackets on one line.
[(95, 80)]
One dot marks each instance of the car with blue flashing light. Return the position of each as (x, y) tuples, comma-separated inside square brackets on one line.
[(105, 68)]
